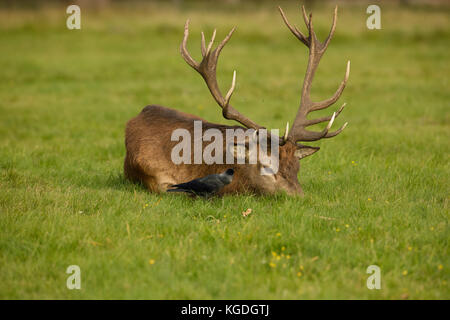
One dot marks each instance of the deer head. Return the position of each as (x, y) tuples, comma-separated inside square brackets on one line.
[(291, 149)]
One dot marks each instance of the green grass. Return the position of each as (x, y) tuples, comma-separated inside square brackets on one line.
[(376, 194)]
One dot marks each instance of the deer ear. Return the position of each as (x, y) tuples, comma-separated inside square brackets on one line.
[(304, 151)]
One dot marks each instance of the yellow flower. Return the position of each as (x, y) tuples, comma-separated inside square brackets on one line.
[(347, 226), (431, 228), (405, 272), (274, 253), (278, 257), (410, 248), (278, 234), (272, 265), (301, 267), (369, 199), (151, 261), (440, 267), (283, 248), (337, 229), (288, 256), (299, 274)]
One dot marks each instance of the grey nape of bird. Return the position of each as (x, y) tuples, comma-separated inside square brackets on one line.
[(205, 186)]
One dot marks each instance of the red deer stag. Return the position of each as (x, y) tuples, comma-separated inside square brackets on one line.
[(148, 136)]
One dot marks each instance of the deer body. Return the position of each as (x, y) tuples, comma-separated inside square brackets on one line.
[(148, 158), (148, 137)]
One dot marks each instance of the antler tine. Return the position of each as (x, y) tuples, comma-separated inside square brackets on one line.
[(282, 141), (203, 45), (335, 133), (308, 21), (333, 28), (305, 16), (323, 119), (328, 102), (331, 122), (314, 135), (295, 31), (224, 42), (211, 42), (187, 57), (230, 92), (205, 50), (286, 133)]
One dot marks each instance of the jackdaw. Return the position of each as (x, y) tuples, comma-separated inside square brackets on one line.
[(205, 186)]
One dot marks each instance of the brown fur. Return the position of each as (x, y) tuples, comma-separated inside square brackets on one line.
[(148, 157)]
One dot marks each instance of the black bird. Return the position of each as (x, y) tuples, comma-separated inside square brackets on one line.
[(205, 186)]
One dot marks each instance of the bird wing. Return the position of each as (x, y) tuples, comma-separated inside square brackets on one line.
[(195, 186), (213, 181)]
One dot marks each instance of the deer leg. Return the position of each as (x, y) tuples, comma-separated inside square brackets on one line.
[(163, 182)]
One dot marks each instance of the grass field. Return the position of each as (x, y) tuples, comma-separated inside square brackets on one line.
[(375, 195)]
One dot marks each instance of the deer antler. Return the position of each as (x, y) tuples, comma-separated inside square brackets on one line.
[(316, 50), (207, 69)]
